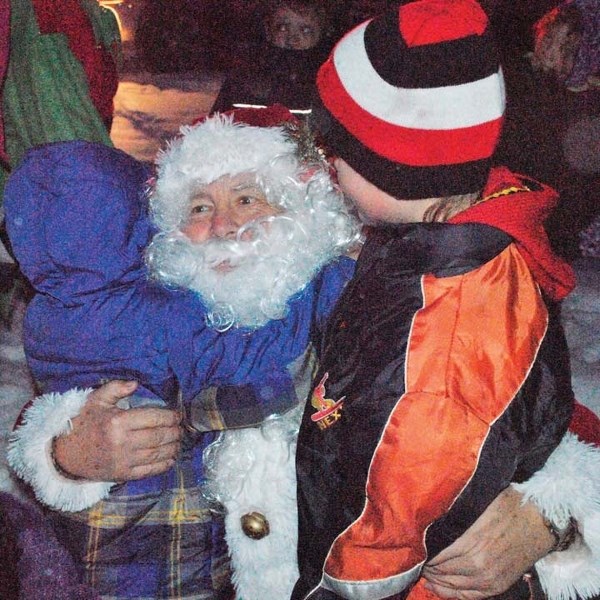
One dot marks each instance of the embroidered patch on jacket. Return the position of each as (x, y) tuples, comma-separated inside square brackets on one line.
[(328, 411)]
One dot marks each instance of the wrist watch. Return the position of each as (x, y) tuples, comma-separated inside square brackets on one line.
[(563, 536)]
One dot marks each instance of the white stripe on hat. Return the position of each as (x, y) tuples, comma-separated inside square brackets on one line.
[(440, 108)]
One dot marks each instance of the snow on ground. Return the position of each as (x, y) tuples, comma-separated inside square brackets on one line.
[(16, 388), (149, 111), (581, 320)]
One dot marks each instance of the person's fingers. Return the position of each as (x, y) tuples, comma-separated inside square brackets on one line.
[(142, 471), (452, 566), (147, 461), (462, 582), (151, 456), (110, 393), (150, 439), (447, 579), (148, 418), (451, 592), (160, 436)]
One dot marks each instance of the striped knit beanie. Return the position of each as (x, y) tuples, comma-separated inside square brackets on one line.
[(413, 100)]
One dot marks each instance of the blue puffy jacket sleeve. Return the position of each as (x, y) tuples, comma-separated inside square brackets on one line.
[(239, 377)]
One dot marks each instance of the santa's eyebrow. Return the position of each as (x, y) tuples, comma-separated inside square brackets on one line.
[(247, 186), (242, 187), (200, 195)]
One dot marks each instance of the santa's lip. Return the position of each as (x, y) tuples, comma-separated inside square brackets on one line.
[(223, 267)]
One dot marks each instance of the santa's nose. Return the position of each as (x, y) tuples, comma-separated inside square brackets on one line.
[(223, 226)]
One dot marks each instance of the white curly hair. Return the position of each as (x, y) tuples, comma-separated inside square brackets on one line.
[(315, 223)]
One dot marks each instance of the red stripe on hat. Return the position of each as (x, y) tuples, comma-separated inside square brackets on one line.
[(435, 21), (413, 147)]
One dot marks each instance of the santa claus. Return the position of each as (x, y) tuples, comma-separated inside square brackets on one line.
[(245, 266)]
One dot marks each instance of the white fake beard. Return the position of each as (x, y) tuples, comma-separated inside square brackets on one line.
[(271, 258), (262, 274)]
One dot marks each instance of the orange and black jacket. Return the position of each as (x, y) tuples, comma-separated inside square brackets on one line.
[(444, 376)]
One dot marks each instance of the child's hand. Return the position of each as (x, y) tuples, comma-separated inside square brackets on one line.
[(111, 444)]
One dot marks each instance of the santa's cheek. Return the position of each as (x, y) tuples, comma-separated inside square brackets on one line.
[(196, 232)]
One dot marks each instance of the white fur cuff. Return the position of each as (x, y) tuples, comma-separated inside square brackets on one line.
[(30, 447), (569, 486)]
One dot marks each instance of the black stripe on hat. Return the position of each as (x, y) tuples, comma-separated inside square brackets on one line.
[(433, 65)]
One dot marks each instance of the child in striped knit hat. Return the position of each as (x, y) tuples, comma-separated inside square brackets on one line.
[(444, 375)]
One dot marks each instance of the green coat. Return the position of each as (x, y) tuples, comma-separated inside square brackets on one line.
[(45, 96)]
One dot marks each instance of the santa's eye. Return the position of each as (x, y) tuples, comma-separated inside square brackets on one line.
[(198, 209)]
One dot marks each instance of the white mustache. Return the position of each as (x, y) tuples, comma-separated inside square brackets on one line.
[(253, 241)]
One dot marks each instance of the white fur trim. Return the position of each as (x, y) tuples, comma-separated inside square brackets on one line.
[(29, 453), (205, 152), (569, 485), (250, 470)]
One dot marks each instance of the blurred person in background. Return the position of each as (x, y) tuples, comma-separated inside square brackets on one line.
[(567, 44), (280, 64), (58, 78)]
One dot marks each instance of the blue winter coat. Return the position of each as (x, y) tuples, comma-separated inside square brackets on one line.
[(76, 214)]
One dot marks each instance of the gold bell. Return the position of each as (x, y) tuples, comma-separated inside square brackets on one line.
[(255, 525)]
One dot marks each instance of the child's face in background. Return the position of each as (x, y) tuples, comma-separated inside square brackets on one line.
[(294, 29), (555, 51)]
